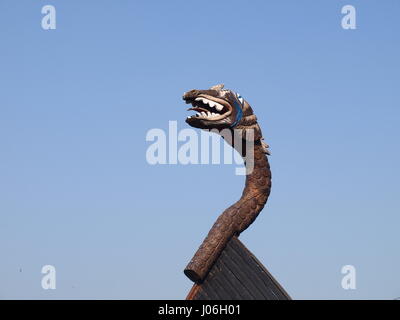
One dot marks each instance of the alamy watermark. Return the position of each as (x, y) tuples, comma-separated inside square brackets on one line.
[(187, 146), (49, 20), (49, 278), (349, 278), (349, 18)]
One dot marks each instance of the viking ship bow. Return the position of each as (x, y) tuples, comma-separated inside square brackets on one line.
[(222, 267)]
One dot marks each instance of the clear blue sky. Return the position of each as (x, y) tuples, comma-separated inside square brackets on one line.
[(76, 103)]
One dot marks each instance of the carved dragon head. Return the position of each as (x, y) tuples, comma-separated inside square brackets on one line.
[(219, 108)]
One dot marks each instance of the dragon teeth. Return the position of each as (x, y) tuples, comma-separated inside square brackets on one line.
[(212, 104), (218, 106), (204, 115)]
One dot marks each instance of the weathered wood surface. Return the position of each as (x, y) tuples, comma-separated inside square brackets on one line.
[(238, 275)]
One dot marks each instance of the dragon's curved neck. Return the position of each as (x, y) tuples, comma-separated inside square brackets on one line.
[(238, 216)]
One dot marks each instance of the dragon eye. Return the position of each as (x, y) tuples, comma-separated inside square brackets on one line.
[(240, 98)]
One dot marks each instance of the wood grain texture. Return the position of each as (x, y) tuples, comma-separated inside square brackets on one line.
[(238, 275)]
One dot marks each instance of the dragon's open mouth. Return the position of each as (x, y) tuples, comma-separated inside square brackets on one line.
[(209, 108)]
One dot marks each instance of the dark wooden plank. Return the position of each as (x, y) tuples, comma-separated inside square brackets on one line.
[(272, 283), (201, 295), (242, 272), (259, 269), (232, 288), (237, 274), (209, 286), (258, 275), (241, 290), (217, 284)]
